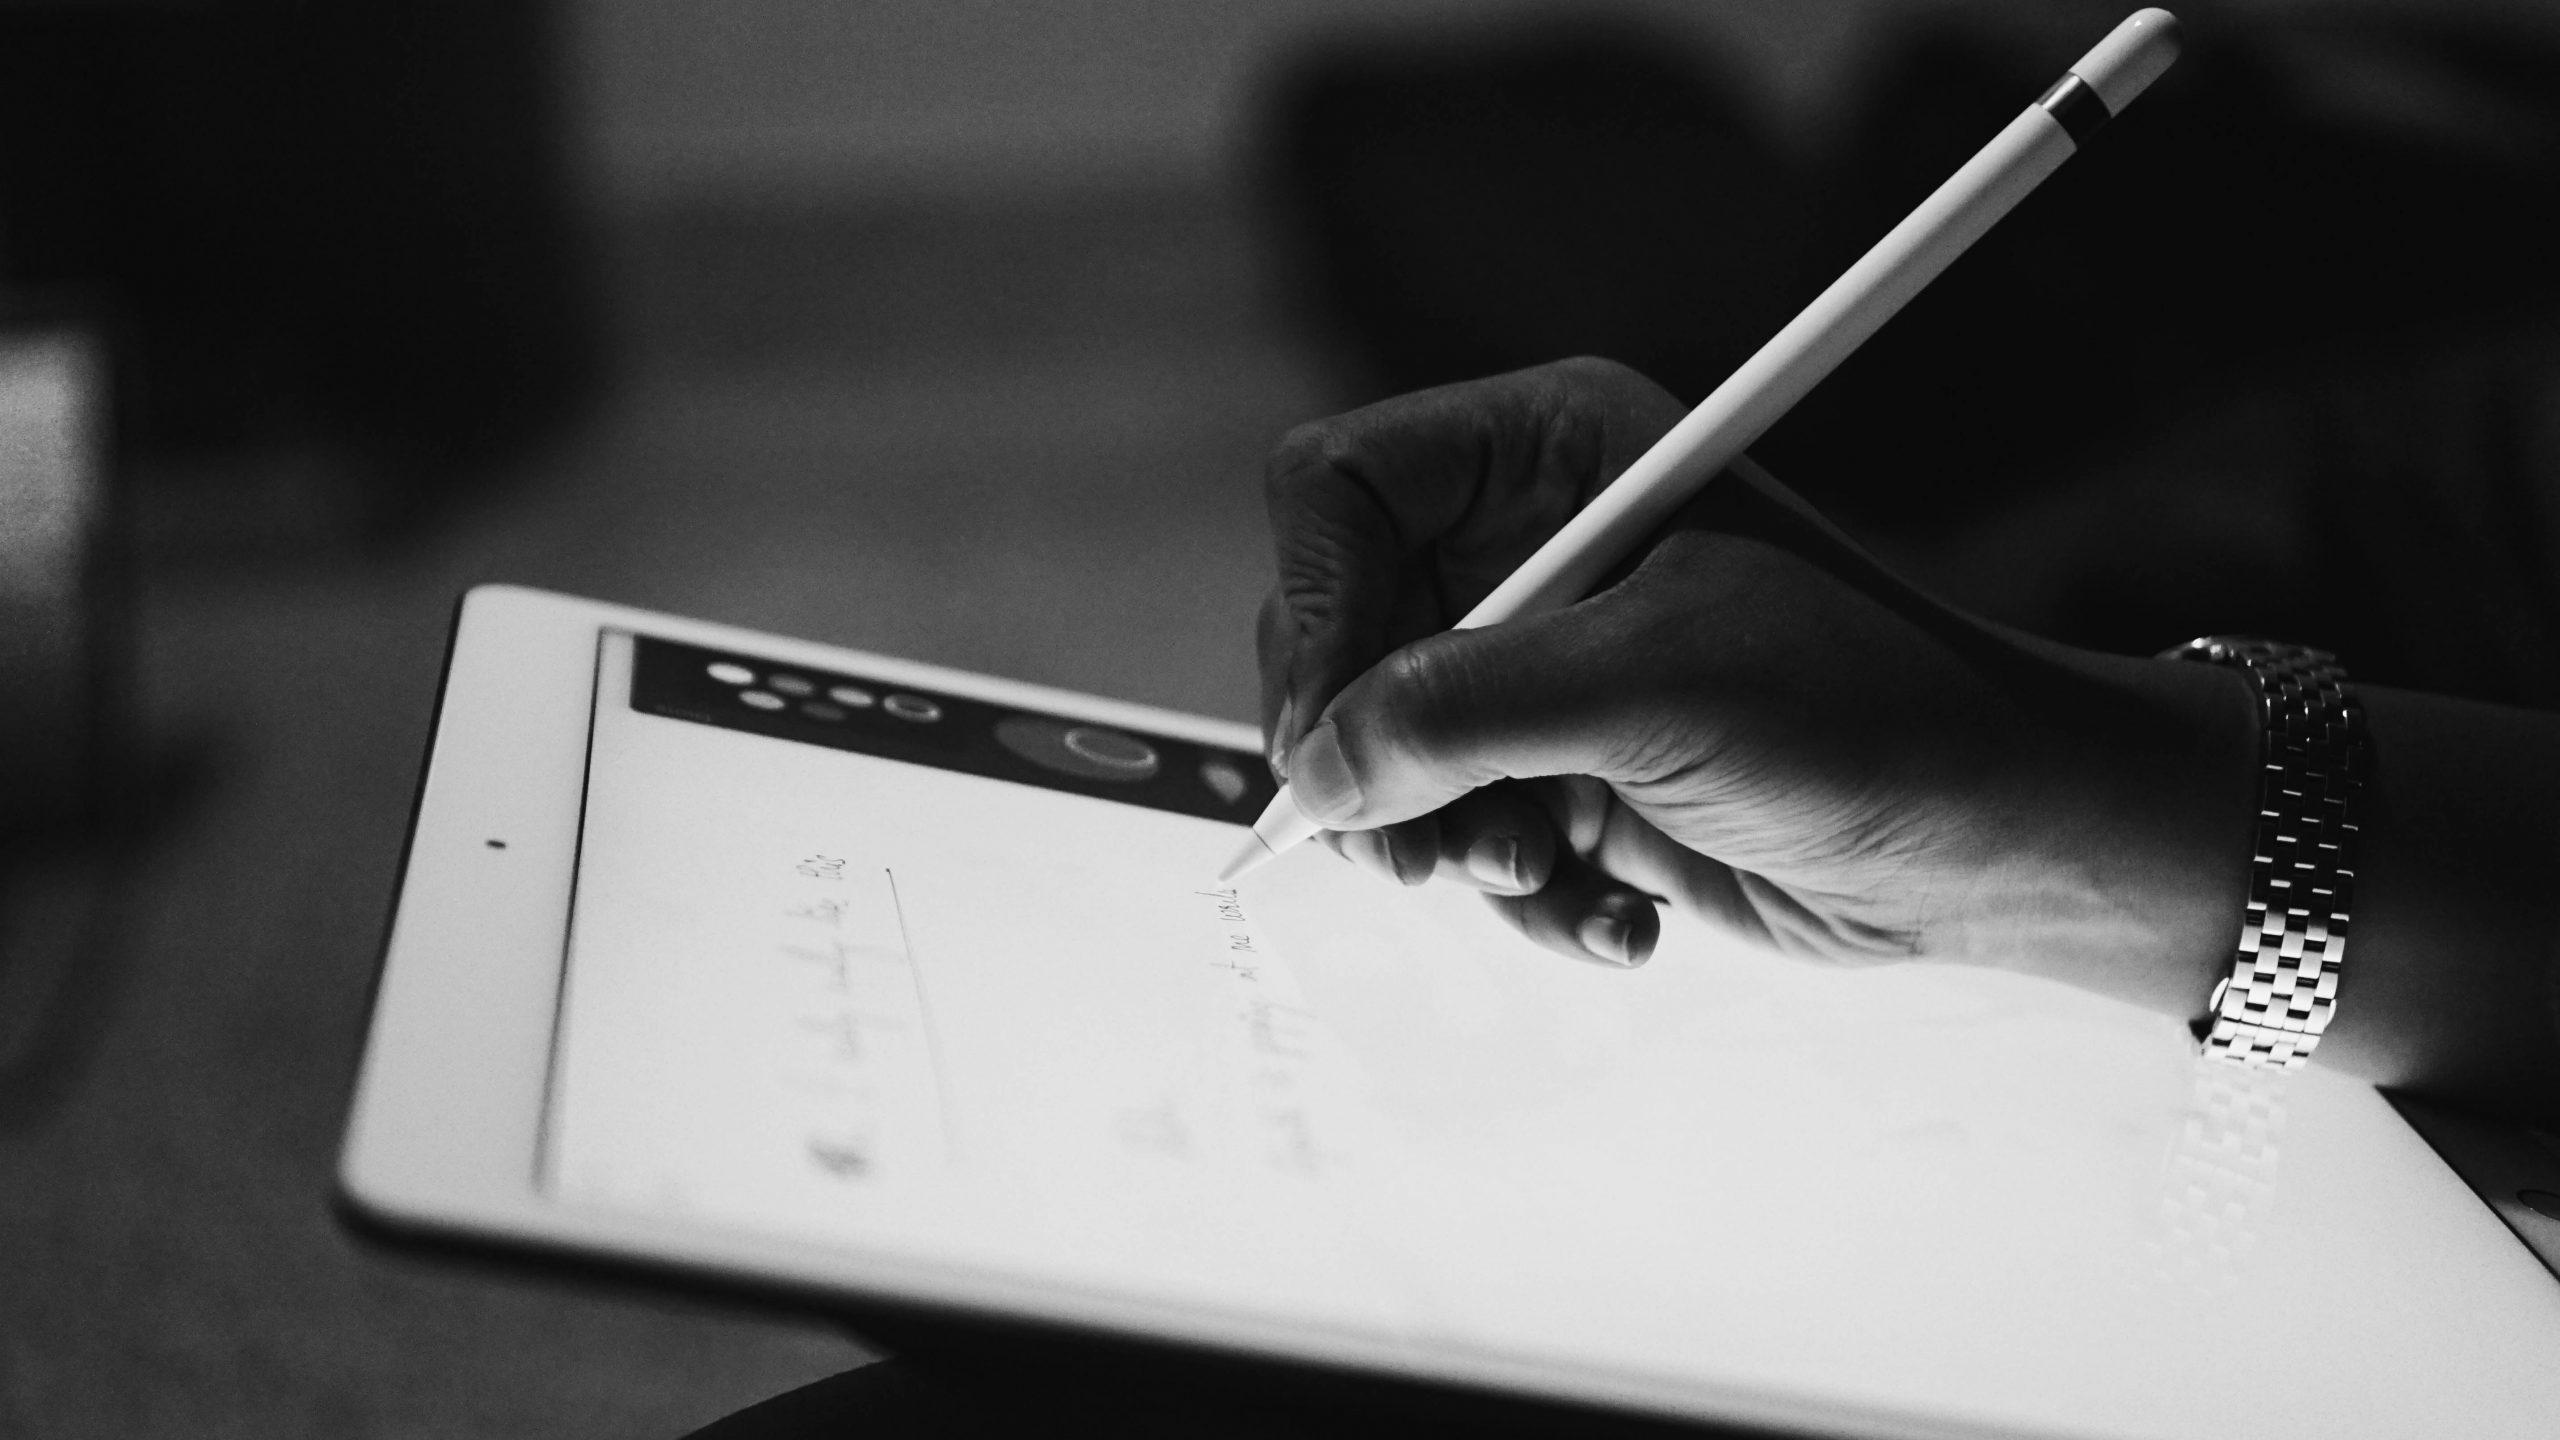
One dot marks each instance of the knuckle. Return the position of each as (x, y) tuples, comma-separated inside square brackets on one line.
[(1275, 633), (1408, 681), (1596, 387), (1307, 437), (1319, 489), (1321, 573), (1420, 693), (1572, 440), (1308, 451), (1595, 372)]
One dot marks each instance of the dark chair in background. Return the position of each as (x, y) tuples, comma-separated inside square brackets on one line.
[(341, 226), (233, 231), (62, 647)]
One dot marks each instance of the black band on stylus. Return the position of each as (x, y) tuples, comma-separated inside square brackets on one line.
[(2076, 104)]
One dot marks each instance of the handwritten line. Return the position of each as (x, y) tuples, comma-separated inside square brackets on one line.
[(932, 1035)]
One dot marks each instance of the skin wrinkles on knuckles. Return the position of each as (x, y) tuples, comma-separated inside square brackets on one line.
[(1343, 461), (1314, 574)]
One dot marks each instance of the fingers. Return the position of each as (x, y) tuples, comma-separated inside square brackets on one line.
[(1449, 714), (1585, 913), (1498, 839), (1502, 839), (1393, 520), (1407, 854), (1505, 840)]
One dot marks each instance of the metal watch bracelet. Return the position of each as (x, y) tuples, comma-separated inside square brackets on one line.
[(2283, 987)]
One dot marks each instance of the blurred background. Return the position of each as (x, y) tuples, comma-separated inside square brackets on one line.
[(958, 330)]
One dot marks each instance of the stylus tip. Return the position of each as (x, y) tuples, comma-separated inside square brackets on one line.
[(1252, 857)]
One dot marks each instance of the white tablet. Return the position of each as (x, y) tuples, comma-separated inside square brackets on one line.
[(753, 958)]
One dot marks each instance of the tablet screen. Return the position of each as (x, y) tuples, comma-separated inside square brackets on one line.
[(880, 966), (904, 971)]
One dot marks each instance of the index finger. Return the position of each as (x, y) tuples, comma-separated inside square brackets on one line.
[(1393, 520)]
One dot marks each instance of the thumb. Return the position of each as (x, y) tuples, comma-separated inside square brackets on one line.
[(1457, 711)]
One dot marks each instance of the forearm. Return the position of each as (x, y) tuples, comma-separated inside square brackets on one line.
[(2456, 925), (2138, 818)]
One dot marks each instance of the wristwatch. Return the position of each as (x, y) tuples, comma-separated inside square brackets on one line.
[(2283, 987)]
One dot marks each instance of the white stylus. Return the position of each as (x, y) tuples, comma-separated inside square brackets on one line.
[(1768, 385)]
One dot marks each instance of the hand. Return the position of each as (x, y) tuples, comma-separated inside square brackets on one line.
[(1755, 721)]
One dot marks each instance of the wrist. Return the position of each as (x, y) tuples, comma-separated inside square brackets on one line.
[(2128, 817)]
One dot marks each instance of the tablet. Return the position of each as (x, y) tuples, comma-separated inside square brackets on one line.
[(734, 955)]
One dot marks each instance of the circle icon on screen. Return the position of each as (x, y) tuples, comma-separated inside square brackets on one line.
[(852, 697), (821, 710), (730, 674), (1223, 777), (1113, 751), (1090, 752), (912, 707), (793, 686), (760, 699)]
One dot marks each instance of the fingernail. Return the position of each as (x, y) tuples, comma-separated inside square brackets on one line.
[(1369, 850), (1320, 778), (1413, 866), (1280, 727), (1605, 936), (1495, 860)]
